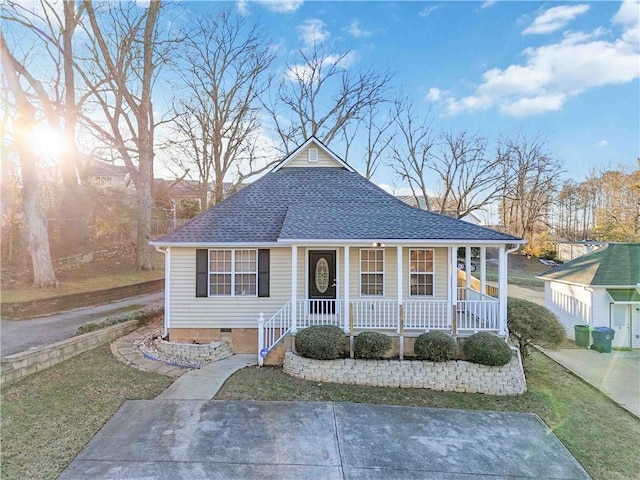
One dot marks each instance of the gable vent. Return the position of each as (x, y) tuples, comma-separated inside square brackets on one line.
[(313, 155)]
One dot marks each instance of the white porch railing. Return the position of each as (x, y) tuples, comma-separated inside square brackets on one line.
[(427, 315), (270, 332), (375, 314), (319, 312), (475, 312)]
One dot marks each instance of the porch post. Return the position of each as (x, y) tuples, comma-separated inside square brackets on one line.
[(294, 287), (483, 270), (346, 311), (399, 275), (502, 289), (467, 267), (453, 287)]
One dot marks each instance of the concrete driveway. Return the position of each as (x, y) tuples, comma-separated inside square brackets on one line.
[(286, 440)]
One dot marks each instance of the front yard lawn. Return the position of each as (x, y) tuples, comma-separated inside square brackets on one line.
[(50, 416), (603, 437)]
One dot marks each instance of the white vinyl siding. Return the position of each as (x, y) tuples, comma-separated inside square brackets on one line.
[(571, 304), (371, 272), (302, 159), (189, 311), (421, 277)]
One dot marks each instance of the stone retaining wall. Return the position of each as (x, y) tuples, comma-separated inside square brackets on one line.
[(208, 352), (43, 306), (19, 365), (452, 376)]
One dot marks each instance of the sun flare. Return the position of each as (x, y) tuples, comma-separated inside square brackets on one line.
[(47, 141)]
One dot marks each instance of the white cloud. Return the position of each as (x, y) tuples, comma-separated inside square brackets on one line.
[(354, 29), (312, 31), (243, 7), (308, 73), (602, 143), (488, 4), (554, 19), (556, 72), (397, 191), (425, 12), (278, 6), (628, 16), (434, 94)]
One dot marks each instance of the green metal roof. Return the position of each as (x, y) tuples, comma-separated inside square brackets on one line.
[(624, 294), (615, 264)]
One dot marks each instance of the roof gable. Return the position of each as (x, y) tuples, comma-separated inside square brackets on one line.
[(299, 157), (615, 264)]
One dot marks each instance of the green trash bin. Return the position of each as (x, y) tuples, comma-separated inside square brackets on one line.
[(602, 338), (582, 335)]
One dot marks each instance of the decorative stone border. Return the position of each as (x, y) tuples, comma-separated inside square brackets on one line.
[(452, 376), (188, 354)]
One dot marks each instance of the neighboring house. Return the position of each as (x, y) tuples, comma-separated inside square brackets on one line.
[(107, 175), (314, 242), (600, 289), (435, 206), (567, 251)]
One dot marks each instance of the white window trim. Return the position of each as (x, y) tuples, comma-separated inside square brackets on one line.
[(432, 273), (233, 271), (374, 273)]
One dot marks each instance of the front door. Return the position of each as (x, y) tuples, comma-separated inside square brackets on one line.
[(322, 281), (621, 325)]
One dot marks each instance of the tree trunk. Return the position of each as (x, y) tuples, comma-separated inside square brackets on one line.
[(144, 194), (35, 221)]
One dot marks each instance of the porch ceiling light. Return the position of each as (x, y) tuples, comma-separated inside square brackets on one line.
[(378, 244)]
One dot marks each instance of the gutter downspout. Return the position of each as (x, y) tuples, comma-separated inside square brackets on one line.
[(506, 261), (167, 291)]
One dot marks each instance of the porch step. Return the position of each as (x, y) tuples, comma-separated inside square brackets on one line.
[(276, 354)]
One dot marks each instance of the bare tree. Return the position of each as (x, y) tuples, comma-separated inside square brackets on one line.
[(534, 179), (55, 29), (35, 221), (411, 150), (124, 55), (224, 71), (320, 96), (469, 180)]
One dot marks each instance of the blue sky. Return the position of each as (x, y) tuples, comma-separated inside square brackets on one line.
[(567, 70)]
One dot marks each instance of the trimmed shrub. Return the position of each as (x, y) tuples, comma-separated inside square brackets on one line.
[(436, 347), (371, 345), (530, 323), (320, 342), (143, 316), (487, 349)]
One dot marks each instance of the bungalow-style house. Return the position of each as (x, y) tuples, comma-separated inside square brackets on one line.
[(600, 289), (314, 242)]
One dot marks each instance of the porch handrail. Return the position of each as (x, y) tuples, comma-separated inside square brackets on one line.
[(375, 314), (312, 311), (270, 332), (427, 315)]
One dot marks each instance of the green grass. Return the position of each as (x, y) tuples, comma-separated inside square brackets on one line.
[(522, 271), (50, 416), (603, 437), (87, 280)]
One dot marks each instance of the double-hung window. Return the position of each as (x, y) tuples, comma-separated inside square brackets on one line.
[(233, 272), (421, 272), (371, 272)]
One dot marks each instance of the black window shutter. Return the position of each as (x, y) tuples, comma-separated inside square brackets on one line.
[(263, 272), (202, 272)]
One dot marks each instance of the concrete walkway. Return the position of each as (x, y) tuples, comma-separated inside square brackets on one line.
[(616, 374), (154, 439), (204, 383)]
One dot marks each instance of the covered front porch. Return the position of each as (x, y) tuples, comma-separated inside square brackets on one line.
[(453, 302)]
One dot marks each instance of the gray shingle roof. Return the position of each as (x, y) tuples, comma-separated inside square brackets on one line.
[(320, 203)]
